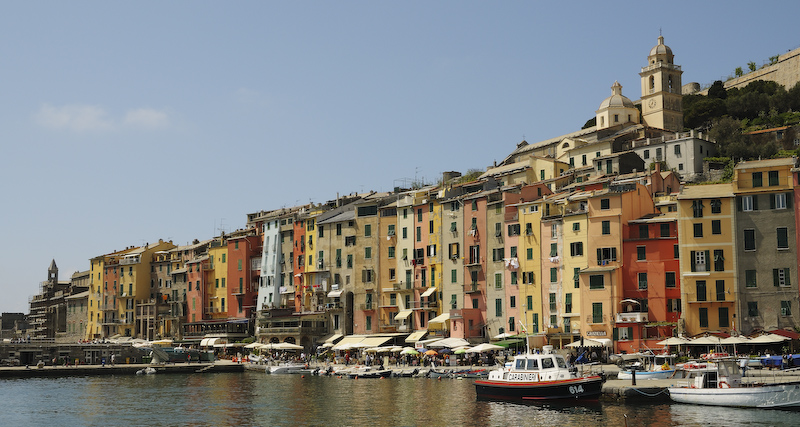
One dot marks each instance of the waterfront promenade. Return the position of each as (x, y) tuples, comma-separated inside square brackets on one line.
[(118, 369)]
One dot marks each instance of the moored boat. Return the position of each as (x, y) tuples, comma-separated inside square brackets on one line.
[(538, 377), (650, 367), (721, 385)]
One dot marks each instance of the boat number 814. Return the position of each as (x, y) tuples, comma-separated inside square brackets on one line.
[(576, 389)]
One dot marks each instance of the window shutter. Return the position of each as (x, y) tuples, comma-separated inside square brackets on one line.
[(692, 259), (614, 253), (599, 255), (787, 276), (708, 260), (364, 276), (630, 332), (772, 201), (755, 202), (789, 197), (775, 279), (615, 335), (739, 203)]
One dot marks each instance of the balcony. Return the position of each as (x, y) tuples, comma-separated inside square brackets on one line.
[(129, 260), (632, 318), (366, 306), (471, 288), (590, 319), (333, 305)]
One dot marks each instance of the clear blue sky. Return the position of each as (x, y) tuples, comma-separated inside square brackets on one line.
[(126, 122)]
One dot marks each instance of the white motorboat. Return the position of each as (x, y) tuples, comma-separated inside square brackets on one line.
[(286, 368), (650, 367), (723, 386)]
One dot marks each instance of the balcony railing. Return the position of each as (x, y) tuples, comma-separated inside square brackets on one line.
[(471, 288), (632, 317)]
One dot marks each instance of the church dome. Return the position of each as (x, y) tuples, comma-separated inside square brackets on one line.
[(661, 48), (617, 99)]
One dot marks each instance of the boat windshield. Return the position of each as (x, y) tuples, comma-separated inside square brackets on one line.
[(520, 364), (561, 362), (547, 363), (533, 364)]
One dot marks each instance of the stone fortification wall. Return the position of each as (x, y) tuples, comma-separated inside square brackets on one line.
[(785, 72)]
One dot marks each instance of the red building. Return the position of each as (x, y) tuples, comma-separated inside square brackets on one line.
[(244, 268), (650, 303)]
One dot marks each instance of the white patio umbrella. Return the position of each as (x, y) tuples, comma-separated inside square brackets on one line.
[(708, 340), (768, 339), (480, 348), (502, 336), (733, 340), (253, 345), (587, 342), (673, 341), (448, 342)]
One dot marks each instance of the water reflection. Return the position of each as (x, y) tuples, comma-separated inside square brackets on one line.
[(257, 399)]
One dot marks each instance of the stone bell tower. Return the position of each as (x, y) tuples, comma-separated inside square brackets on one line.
[(661, 90)]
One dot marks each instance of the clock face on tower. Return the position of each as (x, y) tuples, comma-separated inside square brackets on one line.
[(652, 103)]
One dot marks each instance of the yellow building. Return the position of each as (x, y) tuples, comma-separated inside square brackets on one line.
[(706, 226), (217, 283), (575, 258), (529, 254)]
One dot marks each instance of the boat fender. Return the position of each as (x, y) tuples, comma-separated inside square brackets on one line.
[(724, 384)]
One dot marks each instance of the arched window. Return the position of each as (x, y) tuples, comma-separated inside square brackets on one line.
[(652, 83)]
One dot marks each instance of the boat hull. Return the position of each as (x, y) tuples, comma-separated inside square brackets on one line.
[(785, 395), (588, 388)]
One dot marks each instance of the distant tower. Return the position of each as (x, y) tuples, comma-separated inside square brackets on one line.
[(617, 109), (52, 274), (661, 90)]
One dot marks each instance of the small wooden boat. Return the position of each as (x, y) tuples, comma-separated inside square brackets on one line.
[(380, 373)]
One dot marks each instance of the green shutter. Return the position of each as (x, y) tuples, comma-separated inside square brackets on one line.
[(786, 275)]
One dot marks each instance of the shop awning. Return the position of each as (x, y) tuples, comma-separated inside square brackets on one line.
[(348, 340), (428, 293), (507, 343), (416, 336), (403, 315), (209, 342), (332, 338), (334, 294), (440, 318), (373, 341)]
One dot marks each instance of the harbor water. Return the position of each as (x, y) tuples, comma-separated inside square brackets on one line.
[(257, 399)]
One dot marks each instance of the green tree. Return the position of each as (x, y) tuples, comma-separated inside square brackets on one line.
[(717, 90), (751, 65), (738, 71), (773, 59), (589, 123)]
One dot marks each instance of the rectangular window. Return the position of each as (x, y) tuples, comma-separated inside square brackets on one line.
[(699, 260), (750, 280), (554, 249), (498, 229), (529, 302), (780, 277), (748, 203), (719, 260), (720, 290), (698, 230), (644, 231), (553, 274), (700, 286), (390, 253), (498, 254), (777, 201), (697, 208), (453, 276), (597, 312), (529, 253), (513, 277), (676, 251), (752, 309), (498, 280), (773, 178), (757, 179), (786, 308), (368, 252), (642, 281), (641, 253), (596, 281), (703, 315), (677, 150), (669, 279), (512, 302), (568, 303), (605, 204), (723, 317), (419, 234), (606, 255), (513, 229), (576, 226), (783, 238), (390, 230), (553, 302), (405, 232), (606, 227), (750, 239), (576, 249), (716, 227)]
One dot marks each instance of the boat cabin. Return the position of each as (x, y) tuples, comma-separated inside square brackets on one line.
[(545, 366), (726, 375)]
